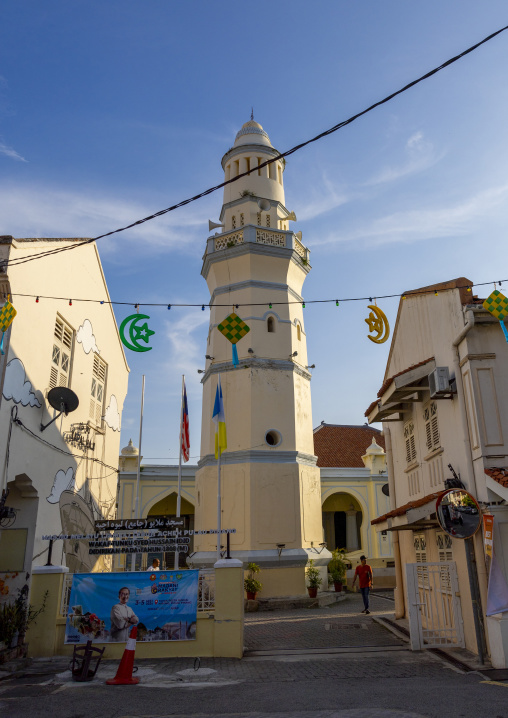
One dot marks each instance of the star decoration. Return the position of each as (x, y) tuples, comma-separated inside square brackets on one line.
[(142, 332)]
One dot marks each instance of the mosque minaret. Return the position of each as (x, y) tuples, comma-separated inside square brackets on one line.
[(270, 482)]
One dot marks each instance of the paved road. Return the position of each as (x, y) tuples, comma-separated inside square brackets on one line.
[(378, 681), (340, 625)]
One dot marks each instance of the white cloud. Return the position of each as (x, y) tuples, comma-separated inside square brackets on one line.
[(185, 350), (9, 152), (16, 385), (85, 337), (63, 481), (467, 217), (420, 155), (112, 415), (56, 212), (327, 196)]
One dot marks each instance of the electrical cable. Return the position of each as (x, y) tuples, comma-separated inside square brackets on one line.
[(280, 156), (19, 423), (411, 292)]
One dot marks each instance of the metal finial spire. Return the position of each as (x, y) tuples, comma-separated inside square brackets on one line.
[(251, 113)]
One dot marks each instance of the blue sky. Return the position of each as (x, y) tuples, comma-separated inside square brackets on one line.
[(111, 111)]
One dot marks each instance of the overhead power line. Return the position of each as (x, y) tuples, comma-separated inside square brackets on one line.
[(281, 155)]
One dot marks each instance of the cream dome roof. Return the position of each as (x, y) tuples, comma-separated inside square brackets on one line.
[(252, 133), (130, 450)]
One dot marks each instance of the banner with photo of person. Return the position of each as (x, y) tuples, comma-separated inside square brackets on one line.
[(103, 607)]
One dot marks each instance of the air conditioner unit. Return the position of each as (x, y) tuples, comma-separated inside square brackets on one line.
[(439, 382)]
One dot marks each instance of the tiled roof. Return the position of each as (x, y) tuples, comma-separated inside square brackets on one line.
[(499, 475), (388, 381), (410, 505), (461, 283), (337, 445)]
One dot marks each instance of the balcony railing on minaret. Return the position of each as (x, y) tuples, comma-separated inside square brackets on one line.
[(257, 235)]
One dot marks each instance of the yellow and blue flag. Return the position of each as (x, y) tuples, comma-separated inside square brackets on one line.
[(219, 419)]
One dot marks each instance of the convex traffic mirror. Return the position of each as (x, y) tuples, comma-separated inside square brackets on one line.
[(458, 513)]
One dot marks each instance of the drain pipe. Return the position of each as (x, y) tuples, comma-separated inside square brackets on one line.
[(400, 610), (473, 567)]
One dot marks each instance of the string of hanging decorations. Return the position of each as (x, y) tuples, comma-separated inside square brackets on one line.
[(233, 328), (281, 155), (269, 304)]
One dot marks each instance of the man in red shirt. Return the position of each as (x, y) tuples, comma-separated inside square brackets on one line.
[(364, 574)]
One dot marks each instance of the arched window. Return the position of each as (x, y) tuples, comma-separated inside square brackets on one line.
[(298, 333), (270, 324)]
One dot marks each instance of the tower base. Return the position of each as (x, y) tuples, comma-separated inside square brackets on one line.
[(281, 574)]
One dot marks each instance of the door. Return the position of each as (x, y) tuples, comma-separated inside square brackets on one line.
[(435, 616)]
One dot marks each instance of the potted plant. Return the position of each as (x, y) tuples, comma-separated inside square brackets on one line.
[(314, 580), (337, 569), (251, 585)]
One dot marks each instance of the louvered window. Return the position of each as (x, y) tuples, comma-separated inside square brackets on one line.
[(61, 358), (409, 438), (97, 390), (431, 426)]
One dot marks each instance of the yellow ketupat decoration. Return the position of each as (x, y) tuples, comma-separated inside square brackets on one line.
[(497, 304), (7, 314)]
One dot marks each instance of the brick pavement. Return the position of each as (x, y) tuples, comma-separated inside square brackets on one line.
[(337, 626)]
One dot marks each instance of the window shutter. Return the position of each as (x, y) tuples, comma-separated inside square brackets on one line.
[(61, 355), (97, 390)]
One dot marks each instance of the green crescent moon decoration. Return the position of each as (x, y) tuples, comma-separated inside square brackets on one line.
[(135, 333)]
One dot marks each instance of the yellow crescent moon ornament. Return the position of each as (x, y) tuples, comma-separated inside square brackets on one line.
[(378, 322)]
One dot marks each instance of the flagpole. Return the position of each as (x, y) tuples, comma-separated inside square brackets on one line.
[(179, 496), (136, 503), (218, 505)]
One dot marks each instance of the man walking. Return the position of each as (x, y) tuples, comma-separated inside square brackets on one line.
[(364, 574)]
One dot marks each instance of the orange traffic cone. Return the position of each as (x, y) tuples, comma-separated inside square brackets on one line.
[(124, 673)]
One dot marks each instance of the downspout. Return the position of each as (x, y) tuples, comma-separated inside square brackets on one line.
[(400, 610), (476, 569)]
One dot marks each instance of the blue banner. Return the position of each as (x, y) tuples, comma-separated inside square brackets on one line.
[(103, 607)]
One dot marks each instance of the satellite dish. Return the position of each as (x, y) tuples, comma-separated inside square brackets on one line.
[(62, 399), (264, 204), (385, 489)]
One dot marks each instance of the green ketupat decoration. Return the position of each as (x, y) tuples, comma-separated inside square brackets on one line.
[(234, 329), (497, 305), (7, 314)]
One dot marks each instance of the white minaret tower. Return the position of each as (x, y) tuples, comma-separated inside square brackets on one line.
[(270, 482)]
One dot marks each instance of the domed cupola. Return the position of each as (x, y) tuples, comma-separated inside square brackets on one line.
[(257, 198)]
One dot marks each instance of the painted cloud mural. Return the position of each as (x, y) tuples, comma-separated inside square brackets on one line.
[(16, 385), (112, 415), (63, 481), (86, 338)]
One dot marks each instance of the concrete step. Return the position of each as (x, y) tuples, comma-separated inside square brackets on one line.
[(286, 603)]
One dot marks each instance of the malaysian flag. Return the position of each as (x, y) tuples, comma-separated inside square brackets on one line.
[(185, 427)]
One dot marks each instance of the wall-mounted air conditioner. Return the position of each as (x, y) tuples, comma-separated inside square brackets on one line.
[(439, 382)]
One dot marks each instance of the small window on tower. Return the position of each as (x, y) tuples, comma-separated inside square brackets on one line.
[(233, 221), (259, 218), (267, 220), (298, 333), (270, 324), (242, 219)]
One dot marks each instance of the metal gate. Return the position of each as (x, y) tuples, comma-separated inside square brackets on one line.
[(435, 616)]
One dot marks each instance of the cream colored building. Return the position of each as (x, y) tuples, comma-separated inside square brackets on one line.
[(353, 483), (63, 478), (444, 326)]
